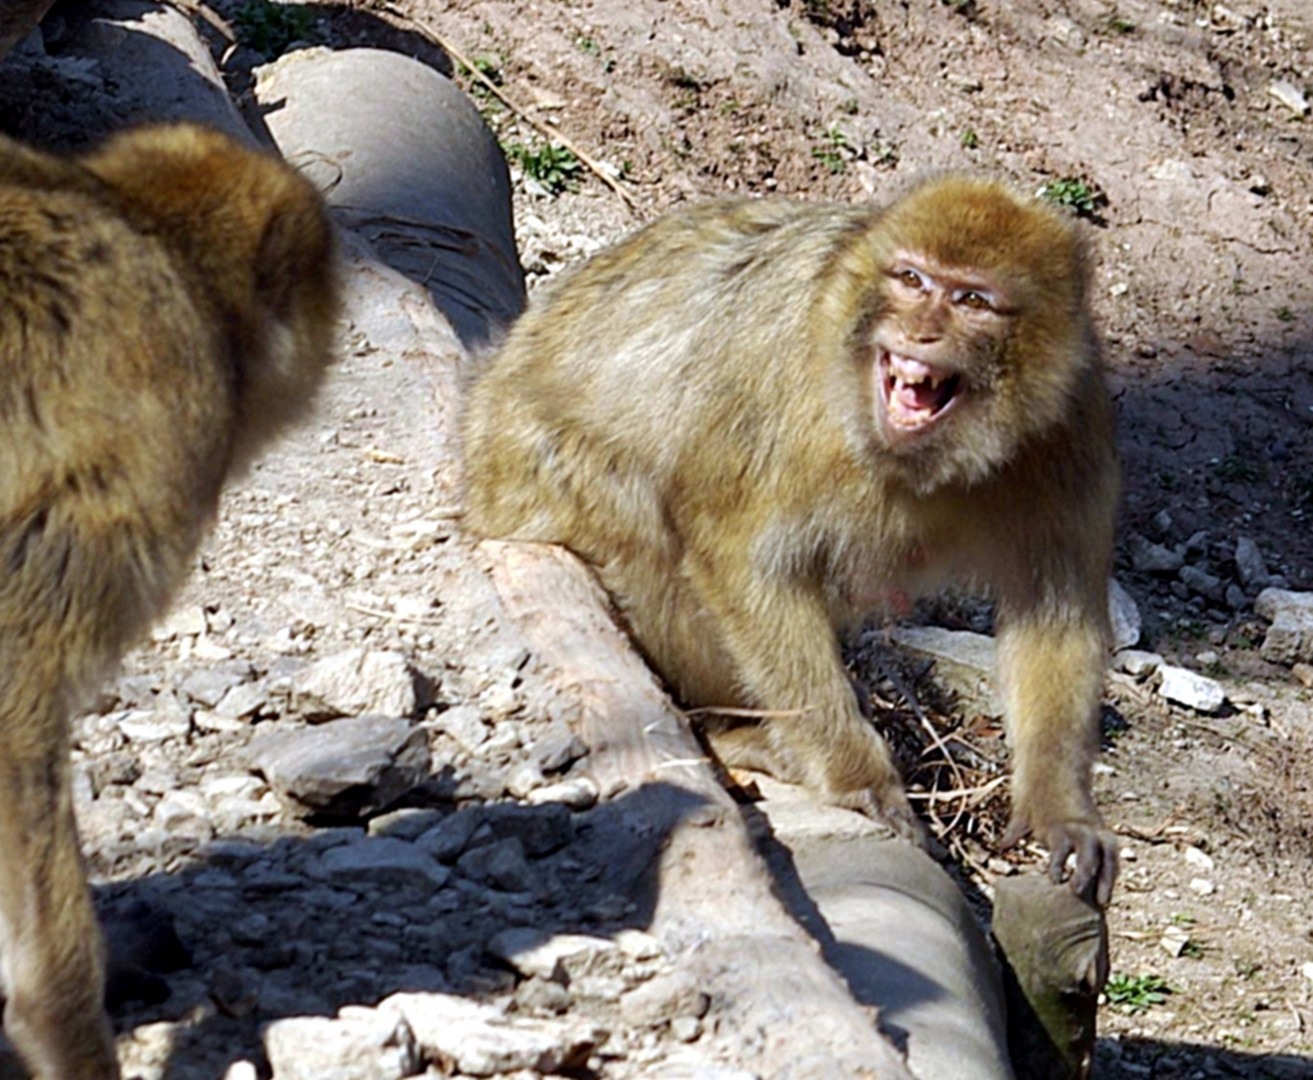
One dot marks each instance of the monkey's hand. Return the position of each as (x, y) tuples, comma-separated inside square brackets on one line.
[(1091, 848)]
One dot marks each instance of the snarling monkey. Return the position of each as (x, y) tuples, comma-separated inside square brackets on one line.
[(760, 419), (167, 302)]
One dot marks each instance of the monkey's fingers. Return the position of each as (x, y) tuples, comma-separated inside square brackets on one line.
[(1093, 854)]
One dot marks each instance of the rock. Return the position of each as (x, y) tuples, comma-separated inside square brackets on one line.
[(383, 861), (964, 661), (1250, 567), (1290, 637), (534, 952), (465, 724), (243, 702), (448, 838), (1162, 521), (208, 685), (1289, 95), (358, 681), (501, 864), (1150, 558), (1202, 582), (1304, 673), (577, 793), (481, 1040), (663, 998), (1136, 662), (1186, 687), (408, 823), (350, 767), (1235, 598), (167, 721), (1124, 616), (541, 829), (361, 1044)]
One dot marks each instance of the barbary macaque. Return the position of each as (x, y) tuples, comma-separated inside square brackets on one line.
[(167, 303), (759, 420)]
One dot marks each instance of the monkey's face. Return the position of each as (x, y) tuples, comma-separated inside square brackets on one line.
[(938, 348)]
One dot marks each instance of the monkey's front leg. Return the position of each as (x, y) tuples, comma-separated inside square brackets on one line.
[(789, 662), (50, 945), (1051, 675)]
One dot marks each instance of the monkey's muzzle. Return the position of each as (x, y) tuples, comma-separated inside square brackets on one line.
[(915, 393)]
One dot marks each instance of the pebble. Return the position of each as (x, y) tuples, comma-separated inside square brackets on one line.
[(383, 861), (1290, 637), (358, 681), (1186, 687)]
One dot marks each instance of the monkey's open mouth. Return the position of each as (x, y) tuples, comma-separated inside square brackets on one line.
[(915, 393)]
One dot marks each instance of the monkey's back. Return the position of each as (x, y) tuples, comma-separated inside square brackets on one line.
[(653, 370), (113, 402)]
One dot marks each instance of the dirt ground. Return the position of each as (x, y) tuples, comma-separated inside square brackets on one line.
[(1183, 121)]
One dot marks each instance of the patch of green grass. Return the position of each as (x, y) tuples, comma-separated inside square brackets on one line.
[(1284, 314), (1235, 467), (554, 167), (271, 28), (1168, 480), (1079, 196), (1119, 24), (834, 154), (969, 140), (1192, 950), (1136, 993)]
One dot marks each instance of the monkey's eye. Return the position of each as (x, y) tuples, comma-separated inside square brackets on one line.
[(909, 278), (976, 301)]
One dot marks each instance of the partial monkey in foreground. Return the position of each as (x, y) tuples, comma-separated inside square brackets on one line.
[(759, 420), (167, 303)]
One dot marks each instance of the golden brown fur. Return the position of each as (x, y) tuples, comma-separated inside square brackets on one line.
[(166, 303), (706, 413)]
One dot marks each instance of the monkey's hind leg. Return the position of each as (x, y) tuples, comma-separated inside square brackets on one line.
[(50, 944)]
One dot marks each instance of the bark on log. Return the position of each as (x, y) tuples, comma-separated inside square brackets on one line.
[(1054, 947)]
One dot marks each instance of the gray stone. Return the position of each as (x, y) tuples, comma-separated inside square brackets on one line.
[(500, 864), (663, 998), (358, 681), (207, 686), (481, 1040), (1189, 688), (535, 952), (1291, 96), (361, 1044), (576, 793), (1124, 616), (168, 720), (1250, 567), (384, 861), (1235, 598), (1150, 558), (964, 662), (448, 838), (353, 766), (243, 702), (1136, 662), (1201, 582), (1290, 637), (540, 829)]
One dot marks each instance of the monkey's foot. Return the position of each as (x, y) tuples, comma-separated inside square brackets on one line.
[(888, 807), (1091, 850)]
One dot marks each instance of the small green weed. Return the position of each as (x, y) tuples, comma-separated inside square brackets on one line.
[(1077, 195), (270, 28), (1136, 993), (1119, 24), (554, 167), (969, 140), (1285, 315), (1235, 467), (834, 155)]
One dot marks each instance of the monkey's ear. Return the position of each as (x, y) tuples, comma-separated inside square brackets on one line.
[(296, 247)]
